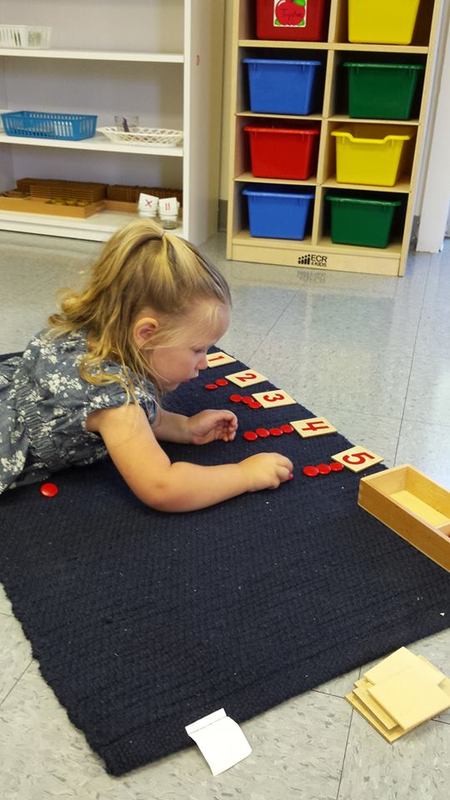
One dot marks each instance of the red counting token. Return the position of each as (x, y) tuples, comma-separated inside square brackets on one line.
[(287, 428), (49, 489), (254, 404), (247, 399), (276, 432), (221, 382), (210, 387), (235, 398), (310, 471), (263, 433), (324, 469), (250, 436), (336, 466)]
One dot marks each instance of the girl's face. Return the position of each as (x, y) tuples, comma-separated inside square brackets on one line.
[(182, 363)]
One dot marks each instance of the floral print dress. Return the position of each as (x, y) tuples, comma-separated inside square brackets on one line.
[(44, 404)]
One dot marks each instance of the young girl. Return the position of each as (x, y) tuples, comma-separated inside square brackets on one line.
[(91, 384)]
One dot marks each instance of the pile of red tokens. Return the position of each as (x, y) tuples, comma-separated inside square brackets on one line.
[(219, 382), (263, 433), (322, 469)]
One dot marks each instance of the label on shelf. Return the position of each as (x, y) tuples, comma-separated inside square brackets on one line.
[(289, 13)]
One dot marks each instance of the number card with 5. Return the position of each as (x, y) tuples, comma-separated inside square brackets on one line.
[(357, 458)]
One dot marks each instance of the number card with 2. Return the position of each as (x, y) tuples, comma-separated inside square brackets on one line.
[(219, 358), (273, 398), (247, 377), (357, 458)]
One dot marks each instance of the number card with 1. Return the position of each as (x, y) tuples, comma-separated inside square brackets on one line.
[(247, 377), (357, 458), (219, 358), (273, 398)]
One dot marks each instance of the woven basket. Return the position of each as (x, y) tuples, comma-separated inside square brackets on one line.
[(157, 137)]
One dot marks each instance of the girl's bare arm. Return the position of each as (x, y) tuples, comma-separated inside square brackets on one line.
[(180, 486)]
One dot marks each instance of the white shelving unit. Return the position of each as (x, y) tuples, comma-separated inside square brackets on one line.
[(158, 59)]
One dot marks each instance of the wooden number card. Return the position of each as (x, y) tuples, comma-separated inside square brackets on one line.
[(217, 359), (357, 458), (247, 377), (273, 398), (314, 426)]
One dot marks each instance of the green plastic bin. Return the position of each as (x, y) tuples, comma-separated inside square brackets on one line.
[(362, 221), (381, 91)]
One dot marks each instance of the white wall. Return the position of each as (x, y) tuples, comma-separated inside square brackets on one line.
[(433, 202)]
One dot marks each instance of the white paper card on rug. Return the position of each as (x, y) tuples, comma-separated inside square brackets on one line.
[(216, 359), (220, 740)]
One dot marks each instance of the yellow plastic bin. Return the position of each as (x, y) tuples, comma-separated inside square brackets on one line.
[(382, 21), (369, 154)]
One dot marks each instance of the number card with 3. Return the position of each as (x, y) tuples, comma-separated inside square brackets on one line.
[(357, 458), (247, 377), (273, 398), (219, 358)]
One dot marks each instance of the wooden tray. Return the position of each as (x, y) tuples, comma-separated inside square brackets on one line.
[(36, 205), (413, 506), (121, 205)]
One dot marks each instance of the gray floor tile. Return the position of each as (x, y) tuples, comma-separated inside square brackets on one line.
[(5, 605), (15, 654), (428, 395), (413, 768), (426, 446)]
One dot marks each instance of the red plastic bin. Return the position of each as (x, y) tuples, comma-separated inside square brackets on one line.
[(283, 152), (301, 20)]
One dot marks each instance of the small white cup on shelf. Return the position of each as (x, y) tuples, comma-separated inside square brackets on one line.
[(168, 212), (148, 205)]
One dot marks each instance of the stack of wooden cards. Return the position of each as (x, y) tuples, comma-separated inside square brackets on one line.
[(400, 692)]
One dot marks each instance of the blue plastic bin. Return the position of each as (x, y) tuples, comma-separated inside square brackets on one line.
[(281, 86), (45, 125), (278, 213)]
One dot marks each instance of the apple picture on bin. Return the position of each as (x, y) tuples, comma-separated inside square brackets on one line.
[(290, 13)]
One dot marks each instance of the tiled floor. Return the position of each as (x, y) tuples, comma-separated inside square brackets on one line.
[(372, 355)]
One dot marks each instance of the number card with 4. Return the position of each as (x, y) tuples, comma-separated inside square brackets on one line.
[(357, 458), (247, 377), (219, 358), (273, 398), (314, 426)]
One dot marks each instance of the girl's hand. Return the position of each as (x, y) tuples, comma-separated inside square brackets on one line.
[(208, 426), (266, 471)]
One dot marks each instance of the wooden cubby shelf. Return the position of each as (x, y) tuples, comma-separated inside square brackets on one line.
[(317, 250)]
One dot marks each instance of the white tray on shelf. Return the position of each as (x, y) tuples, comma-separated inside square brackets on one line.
[(154, 136)]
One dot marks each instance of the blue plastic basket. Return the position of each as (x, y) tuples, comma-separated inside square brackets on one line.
[(278, 213), (281, 86), (44, 125)]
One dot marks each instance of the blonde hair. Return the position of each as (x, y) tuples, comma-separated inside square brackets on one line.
[(141, 265)]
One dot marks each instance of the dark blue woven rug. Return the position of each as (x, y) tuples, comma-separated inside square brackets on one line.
[(143, 622)]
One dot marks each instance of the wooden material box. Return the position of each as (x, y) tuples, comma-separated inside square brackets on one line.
[(413, 506), (36, 205)]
